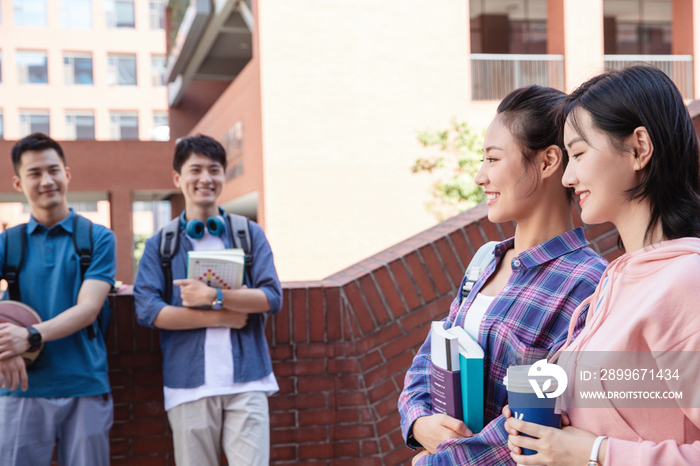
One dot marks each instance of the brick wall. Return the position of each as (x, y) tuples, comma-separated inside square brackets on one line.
[(340, 349)]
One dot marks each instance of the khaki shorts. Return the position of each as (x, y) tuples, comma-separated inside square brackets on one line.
[(239, 423)]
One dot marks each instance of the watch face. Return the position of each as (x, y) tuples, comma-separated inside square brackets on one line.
[(34, 336)]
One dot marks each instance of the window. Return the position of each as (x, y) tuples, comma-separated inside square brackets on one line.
[(160, 118), (33, 121), (156, 13), (83, 206), (32, 67), (80, 124), (157, 70), (119, 13), (2, 127), (637, 27), (77, 68), (124, 125), (160, 130), (121, 69), (515, 26), (30, 13), (76, 14)]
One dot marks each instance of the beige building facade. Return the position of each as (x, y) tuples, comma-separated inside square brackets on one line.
[(319, 103), (83, 69)]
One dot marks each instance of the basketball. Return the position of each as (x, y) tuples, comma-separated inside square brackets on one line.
[(14, 312)]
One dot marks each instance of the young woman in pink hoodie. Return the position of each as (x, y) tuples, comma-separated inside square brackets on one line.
[(633, 161)]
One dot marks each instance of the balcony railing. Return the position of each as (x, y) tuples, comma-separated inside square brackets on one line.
[(677, 67), (495, 75)]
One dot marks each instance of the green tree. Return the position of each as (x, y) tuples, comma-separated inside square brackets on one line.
[(460, 152), (139, 246)]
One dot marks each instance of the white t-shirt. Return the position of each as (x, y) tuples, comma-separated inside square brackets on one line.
[(476, 313), (218, 357)]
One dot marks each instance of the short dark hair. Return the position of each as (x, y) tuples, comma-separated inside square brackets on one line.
[(529, 113), (621, 101), (198, 144), (36, 141)]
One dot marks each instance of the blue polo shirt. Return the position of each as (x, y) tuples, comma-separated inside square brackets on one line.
[(49, 282)]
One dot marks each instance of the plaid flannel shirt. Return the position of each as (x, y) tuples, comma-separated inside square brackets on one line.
[(528, 320)]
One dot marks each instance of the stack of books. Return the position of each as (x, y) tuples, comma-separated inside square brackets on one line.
[(457, 375)]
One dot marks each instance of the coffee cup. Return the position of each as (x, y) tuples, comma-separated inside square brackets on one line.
[(526, 405)]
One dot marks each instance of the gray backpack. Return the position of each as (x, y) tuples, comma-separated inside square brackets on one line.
[(483, 257)]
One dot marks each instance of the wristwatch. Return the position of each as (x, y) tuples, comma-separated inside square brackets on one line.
[(593, 461), (219, 301), (34, 339)]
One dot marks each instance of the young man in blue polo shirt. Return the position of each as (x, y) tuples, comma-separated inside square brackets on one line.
[(216, 364), (64, 395)]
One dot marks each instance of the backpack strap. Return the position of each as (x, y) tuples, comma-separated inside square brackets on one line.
[(240, 232), (15, 243), (169, 240), (481, 260), (82, 242)]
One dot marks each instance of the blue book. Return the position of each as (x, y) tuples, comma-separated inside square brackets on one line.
[(471, 367)]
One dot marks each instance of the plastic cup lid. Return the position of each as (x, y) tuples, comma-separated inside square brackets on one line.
[(517, 380)]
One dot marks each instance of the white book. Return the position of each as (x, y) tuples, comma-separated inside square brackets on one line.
[(468, 348), (219, 269), (444, 347)]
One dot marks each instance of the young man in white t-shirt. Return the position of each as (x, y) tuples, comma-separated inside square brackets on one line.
[(216, 364)]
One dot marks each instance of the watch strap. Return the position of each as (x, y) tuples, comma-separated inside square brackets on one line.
[(34, 339), (219, 302)]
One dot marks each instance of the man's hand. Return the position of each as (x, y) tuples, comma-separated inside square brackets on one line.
[(234, 319), (14, 340), (195, 293), (13, 373), (431, 431)]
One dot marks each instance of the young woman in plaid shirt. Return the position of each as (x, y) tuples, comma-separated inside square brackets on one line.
[(534, 283)]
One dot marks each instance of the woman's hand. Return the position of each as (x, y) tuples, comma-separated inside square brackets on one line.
[(420, 455), (431, 431), (568, 446), (506, 412), (195, 293)]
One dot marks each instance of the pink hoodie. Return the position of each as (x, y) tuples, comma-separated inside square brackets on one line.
[(651, 303)]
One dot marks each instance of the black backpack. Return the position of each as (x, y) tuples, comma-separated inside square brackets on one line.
[(239, 229), (15, 243)]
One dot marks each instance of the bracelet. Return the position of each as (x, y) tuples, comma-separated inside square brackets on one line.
[(594, 451)]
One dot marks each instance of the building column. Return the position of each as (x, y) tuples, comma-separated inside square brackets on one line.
[(685, 39), (120, 207), (468, 77), (575, 30), (177, 204)]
